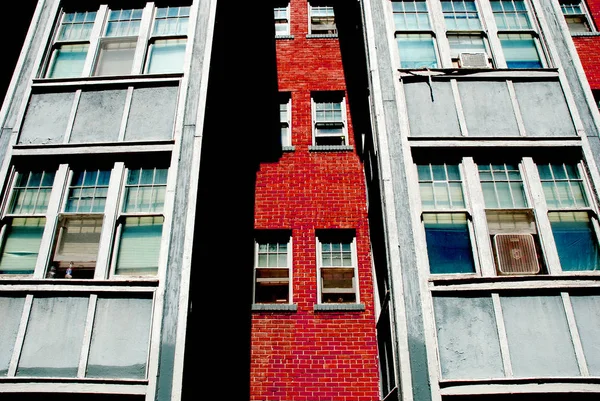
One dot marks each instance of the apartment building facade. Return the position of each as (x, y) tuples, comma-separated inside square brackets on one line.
[(485, 155)]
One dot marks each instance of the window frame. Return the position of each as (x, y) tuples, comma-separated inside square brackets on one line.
[(584, 14), (273, 237), (329, 97), (287, 19), (285, 98), (318, 7), (338, 234)]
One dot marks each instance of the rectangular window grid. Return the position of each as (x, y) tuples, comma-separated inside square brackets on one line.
[(511, 14), (502, 186), (440, 186), (282, 21), (322, 20), (563, 185), (329, 122), (284, 121), (461, 15), (337, 269), (88, 191), (171, 21), (410, 15), (31, 192), (76, 26), (145, 190), (124, 22), (272, 270)]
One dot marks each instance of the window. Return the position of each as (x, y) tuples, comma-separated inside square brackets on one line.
[(322, 20), (414, 36), (468, 46), (445, 218), (285, 118), (124, 37), (517, 34), (571, 217), (272, 267), (329, 119), (576, 15), (167, 45), (337, 266), (71, 45), (24, 222), (282, 20), (139, 232)]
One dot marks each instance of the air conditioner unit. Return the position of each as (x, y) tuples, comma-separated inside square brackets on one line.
[(474, 60), (516, 254)]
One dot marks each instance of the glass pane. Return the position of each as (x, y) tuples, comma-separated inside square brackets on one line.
[(575, 240), (518, 193), (489, 194), (448, 243), (504, 194), (139, 246), (424, 172), (120, 353), (520, 51), (272, 286), (442, 198), (427, 199), (115, 58), (77, 248), (67, 61), (416, 51), (166, 56), (54, 337), (21, 246)]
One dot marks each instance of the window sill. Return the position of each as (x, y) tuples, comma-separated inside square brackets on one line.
[(138, 281), (274, 307), (284, 37), (290, 148), (575, 34), (322, 36), (339, 307), (330, 148), (132, 78), (453, 73)]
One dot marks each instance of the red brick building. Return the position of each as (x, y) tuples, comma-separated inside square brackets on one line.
[(583, 20), (313, 326)]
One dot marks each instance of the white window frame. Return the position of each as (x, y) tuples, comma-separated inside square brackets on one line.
[(274, 238), (354, 258), (584, 14), (287, 123), (287, 19), (310, 18), (316, 98)]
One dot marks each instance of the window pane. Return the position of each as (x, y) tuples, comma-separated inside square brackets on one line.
[(77, 244), (139, 246), (67, 61), (520, 51), (115, 58), (272, 286), (88, 192), (21, 245), (165, 56), (448, 243), (145, 191), (465, 44), (575, 240), (337, 285), (416, 51)]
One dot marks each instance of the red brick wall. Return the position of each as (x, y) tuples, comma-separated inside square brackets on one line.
[(588, 47), (308, 355)]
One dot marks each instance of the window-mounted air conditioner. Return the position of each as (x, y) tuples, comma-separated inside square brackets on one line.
[(516, 254), (473, 60)]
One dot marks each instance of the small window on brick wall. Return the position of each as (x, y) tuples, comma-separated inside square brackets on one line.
[(337, 266), (272, 267)]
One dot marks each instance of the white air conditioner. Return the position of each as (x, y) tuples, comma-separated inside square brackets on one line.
[(473, 60), (516, 254)]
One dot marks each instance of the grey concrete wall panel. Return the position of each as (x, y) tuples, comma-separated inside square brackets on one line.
[(152, 114), (561, 41), (594, 142), (49, 350), (24, 75), (488, 109), (98, 116), (431, 112), (10, 310), (406, 285), (46, 118), (467, 338), (544, 109), (539, 341), (122, 353), (586, 309)]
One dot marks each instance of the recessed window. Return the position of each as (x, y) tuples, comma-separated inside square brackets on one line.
[(285, 106), (322, 20), (123, 22), (115, 57), (272, 267), (337, 266), (576, 15), (461, 15), (67, 61), (511, 14), (520, 50), (282, 20), (416, 49), (329, 119), (410, 15)]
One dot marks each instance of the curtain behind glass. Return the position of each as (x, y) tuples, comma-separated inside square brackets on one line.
[(139, 246), (575, 240), (22, 246), (448, 243)]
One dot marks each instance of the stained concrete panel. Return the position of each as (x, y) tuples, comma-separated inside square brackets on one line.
[(431, 110), (10, 310), (46, 118), (467, 338), (152, 114), (544, 109), (122, 353), (539, 341), (98, 116), (488, 109), (586, 309), (54, 337)]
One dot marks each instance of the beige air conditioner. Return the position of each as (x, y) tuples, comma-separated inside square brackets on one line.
[(473, 60), (516, 254)]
